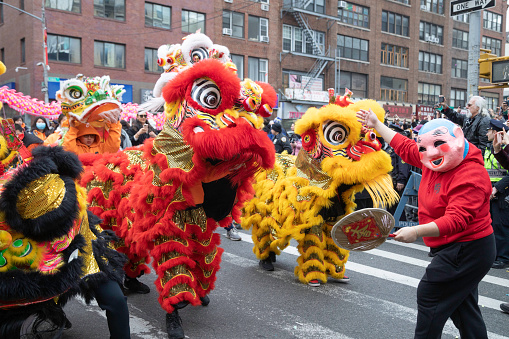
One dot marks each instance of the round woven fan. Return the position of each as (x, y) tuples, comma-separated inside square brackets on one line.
[(363, 230)]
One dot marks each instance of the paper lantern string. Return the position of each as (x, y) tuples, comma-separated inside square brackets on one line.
[(26, 104)]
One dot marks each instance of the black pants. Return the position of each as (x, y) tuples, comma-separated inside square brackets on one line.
[(500, 222), (110, 298), (448, 289)]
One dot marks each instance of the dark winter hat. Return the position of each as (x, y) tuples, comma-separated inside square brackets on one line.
[(396, 128), (276, 127), (498, 125)]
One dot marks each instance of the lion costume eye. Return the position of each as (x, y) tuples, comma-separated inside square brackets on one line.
[(75, 92), (199, 54), (206, 93), (334, 133)]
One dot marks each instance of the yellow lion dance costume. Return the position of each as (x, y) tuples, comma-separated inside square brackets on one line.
[(304, 196)]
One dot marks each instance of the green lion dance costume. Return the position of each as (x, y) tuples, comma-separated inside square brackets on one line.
[(304, 196)]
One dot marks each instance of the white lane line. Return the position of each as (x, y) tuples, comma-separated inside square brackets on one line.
[(334, 290), (140, 327), (399, 278), (423, 263)]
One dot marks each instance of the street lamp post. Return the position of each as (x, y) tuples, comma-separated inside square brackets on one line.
[(45, 66)]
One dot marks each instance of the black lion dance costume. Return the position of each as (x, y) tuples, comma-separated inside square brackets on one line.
[(51, 247)]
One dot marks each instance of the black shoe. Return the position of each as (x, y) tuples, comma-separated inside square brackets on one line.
[(133, 285), (500, 264), (505, 307), (181, 304), (266, 264), (272, 256), (174, 325), (205, 300)]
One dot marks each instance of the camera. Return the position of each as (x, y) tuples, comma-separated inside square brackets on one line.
[(441, 99)]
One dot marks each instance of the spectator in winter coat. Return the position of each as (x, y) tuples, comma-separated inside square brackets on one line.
[(40, 128), (141, 130)]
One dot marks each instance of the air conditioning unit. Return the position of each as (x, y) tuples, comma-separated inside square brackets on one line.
[(227, 31), (229, 1), (341, 4), (424, 8), (264, 1), (265, 7), (264, 39)]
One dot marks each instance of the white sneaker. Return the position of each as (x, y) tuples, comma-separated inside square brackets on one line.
[(233, 235)]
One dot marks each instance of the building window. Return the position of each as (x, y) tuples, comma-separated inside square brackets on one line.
[(462, 18), (459, 39), (296, 40), (64, 48), (22, 4), (193, 21), (353, 48), (393, 89), (395, 23), (108, 54), (435, 6), (258, 29), (427, 94), (238, 60), (429, 62), (458, 97), (1, 12), (492, 21), (394, 55), (491, 43), (257, 69), (459, 68), (356, 82), (151, 61), (354, 15), (157, 15), (2, 55), (429, 32), (317, 6), (111, 9), (491, 100), (235, 22), (22, 45), (64, 5)]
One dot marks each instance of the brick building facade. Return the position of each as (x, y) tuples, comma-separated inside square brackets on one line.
[(399, 52)]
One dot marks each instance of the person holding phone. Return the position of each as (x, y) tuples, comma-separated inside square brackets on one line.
[(141, 130), (474, 124)]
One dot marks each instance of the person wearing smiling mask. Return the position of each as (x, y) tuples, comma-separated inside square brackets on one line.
[(141, 130), (41, 129), (474, 124), (454, 221)]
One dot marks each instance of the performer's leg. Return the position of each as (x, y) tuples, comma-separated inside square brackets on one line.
[(311, 264), (335, 257), (110, 298)]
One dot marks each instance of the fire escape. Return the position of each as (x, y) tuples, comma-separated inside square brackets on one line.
[(322, 57)]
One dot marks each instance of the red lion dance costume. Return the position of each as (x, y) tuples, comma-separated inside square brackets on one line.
[(166, 199)]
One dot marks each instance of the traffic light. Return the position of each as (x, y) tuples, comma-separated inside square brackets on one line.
[(485, 61), (500, 71)]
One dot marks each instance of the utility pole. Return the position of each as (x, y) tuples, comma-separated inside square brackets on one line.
[(45, 66), (474, 45)]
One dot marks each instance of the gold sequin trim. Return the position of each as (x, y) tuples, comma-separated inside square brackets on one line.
[(171, 143), (209, 258), (41, 196), (192, 217)]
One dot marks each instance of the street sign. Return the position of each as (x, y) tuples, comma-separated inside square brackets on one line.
[(466, 6), (53, 79)]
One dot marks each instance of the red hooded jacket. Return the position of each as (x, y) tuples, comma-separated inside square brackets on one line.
[(458, 201)]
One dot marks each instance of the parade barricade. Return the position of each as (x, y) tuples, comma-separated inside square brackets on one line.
[(408, 203)]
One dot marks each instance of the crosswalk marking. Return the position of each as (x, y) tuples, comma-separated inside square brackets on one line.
[(399, 278)]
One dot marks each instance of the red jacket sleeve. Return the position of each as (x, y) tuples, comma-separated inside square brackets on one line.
[(502, 158), (407, 149)]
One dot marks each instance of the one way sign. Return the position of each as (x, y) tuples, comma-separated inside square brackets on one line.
[(467, 6)]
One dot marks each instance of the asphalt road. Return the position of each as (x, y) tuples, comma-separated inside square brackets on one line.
[(247, 302)]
